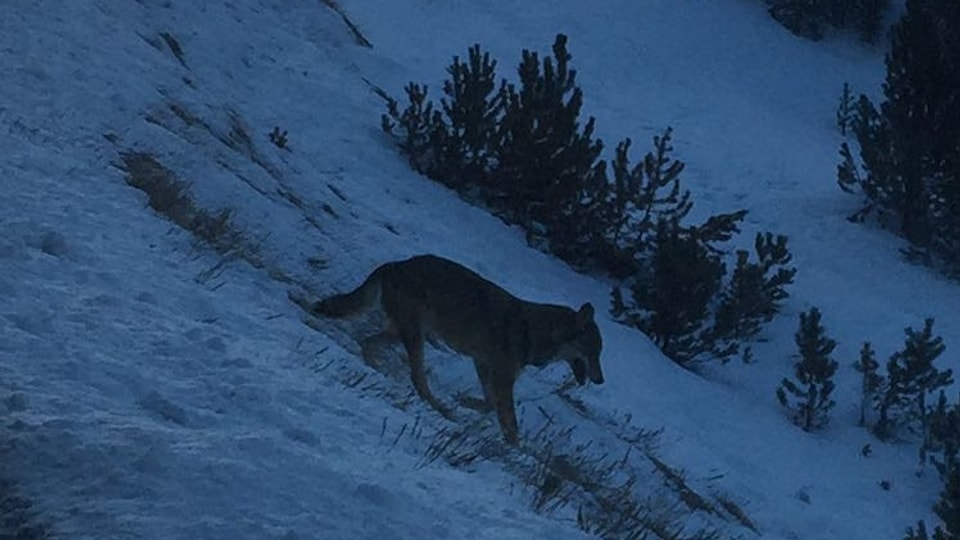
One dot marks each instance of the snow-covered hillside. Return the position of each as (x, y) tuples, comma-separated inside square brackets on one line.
[(153, 388)]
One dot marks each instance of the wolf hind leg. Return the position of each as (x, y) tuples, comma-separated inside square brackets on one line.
[(411, 335), (479, 404), (409, 328)]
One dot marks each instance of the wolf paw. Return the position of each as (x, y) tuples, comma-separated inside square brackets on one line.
[(474, 403), (446, 412)]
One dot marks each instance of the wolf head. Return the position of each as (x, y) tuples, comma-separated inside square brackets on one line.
[(582, 349)]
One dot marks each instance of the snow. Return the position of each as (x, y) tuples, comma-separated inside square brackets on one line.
[(152, 388)]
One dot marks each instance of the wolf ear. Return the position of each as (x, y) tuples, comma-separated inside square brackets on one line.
[(585, 314)]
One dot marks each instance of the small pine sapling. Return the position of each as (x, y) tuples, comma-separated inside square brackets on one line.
[(755, 291), (814, 375), (423, 130), (848, 175), (911, 376), (278, 138), (874, 137), (673, 294), (662, 171), (544, 151), (473, 110), (647, 192), (845, 110), (870, 382), (625, 209), (672, 302)]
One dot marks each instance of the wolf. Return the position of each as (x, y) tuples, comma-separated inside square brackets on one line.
[(433, 298)]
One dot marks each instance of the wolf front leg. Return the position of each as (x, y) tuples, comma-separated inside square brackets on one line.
[(498, 390)]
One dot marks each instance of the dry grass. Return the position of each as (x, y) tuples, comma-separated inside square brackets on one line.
[(737, 511), (174, 46), (361, 40), (562, 474), (602, 487), (168, 196), (675, 479)]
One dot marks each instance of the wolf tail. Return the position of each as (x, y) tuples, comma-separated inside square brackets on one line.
[(353, 302)]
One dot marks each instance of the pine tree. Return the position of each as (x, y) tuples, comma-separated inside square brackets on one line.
[(909, 147), (671, 301), (423, 130), (626, 208), (948, 507), (942, 435), (881, 188), (519, 148), (814, 374), (756, 289), (912, 86), (870, 382), (911, 376), (544, 154), (472, 109)]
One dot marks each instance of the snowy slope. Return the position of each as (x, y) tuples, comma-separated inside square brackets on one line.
[(153, 389)]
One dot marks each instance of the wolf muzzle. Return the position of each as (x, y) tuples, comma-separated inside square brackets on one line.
[(582, 369)]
